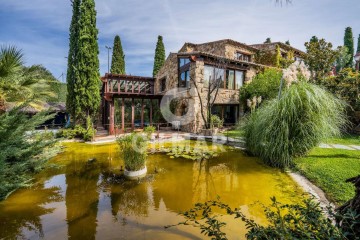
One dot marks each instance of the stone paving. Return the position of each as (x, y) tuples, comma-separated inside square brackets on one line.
[(340, 146)]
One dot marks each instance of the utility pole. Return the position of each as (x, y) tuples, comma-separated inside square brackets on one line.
[(108, 48)]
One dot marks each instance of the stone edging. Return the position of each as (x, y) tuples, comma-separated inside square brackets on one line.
[(312, 189)]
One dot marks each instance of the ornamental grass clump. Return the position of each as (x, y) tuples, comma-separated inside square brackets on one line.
[(288, 127), (133, 150)]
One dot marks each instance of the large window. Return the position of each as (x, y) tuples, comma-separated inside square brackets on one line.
[(229, 113), (183, 61), (239, 79), (234, 79), (184, 72), (184, 79), (211, 73), (163, 84), (230, 79)]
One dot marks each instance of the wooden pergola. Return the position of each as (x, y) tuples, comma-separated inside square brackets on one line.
[(126, 86)]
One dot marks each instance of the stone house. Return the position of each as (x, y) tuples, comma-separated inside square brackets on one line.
[(193, 69), (194, 65)]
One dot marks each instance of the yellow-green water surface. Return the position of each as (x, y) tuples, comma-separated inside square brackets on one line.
[(88, 200)]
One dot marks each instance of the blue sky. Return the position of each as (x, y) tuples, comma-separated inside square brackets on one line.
[(40, 27)]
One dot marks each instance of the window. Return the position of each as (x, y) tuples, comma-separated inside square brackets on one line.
[(208, 75), (163, 84), (184, 80), (183, 61), (230, 78), (242, 57), (298, 59), (239, 79), (211, 73), (184, 72)]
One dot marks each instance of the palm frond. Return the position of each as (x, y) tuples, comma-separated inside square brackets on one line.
[(11, 60)]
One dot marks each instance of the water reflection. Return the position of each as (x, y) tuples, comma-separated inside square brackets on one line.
[(89, 200), (82, 198), (22, 212)]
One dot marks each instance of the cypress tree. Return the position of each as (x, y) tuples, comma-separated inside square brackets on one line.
[(73, 48), (287, 42), (159, 58), (349, 43), (268, 40), (358, 46), (86, 88), (314, 39), (277, 56), (118, 57)]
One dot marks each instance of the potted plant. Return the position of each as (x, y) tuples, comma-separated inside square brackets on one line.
[(133, 150)]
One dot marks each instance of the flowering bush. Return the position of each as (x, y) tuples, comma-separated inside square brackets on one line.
[(263, 87), (294, 72)]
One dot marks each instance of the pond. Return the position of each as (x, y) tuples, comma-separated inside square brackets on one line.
[(81, 199)]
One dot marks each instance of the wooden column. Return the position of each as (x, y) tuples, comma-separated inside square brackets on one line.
[(142, 113), (111, 118), (150, 111), (123, 115), (132, 114)]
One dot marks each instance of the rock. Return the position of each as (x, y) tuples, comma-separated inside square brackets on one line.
[(91, 160)]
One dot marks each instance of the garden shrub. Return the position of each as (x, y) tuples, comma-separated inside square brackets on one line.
[(87, 134), (216, 122), (264, 85), (23, 151), (291, 126), (346, 86), (133, 150)]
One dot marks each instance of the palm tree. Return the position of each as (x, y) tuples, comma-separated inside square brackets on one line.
[(20, 85)]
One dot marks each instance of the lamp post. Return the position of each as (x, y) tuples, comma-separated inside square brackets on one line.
[(357, 61), (108, 48)]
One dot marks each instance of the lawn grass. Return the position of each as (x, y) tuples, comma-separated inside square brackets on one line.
[(234, 133), (346, 139), (329, 168)]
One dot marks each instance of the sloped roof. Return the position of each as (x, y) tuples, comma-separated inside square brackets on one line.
[(227, 41), (281, 44), (205, 54), (50, 106)]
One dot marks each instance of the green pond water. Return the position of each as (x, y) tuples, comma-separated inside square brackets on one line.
[(82, 200)]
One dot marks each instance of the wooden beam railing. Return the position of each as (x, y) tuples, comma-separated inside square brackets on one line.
[(140, 87)]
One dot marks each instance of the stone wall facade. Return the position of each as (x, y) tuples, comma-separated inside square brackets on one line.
[(170, 72), (224, 96)]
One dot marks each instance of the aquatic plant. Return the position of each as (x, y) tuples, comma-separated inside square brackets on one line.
[(189, 153), (291, 126), (133, 150)]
